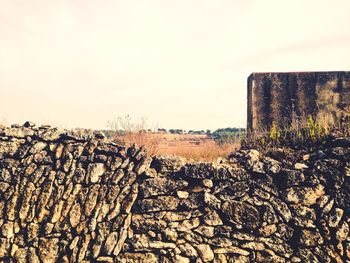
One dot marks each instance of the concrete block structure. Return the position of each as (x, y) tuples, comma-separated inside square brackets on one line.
[(276, 97)]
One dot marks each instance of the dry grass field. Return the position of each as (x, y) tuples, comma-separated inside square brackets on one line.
[(195, 147)]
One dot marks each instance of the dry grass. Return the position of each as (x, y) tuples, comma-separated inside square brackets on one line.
[(150, 140), (189, 146), (196, 147), (208, 151)]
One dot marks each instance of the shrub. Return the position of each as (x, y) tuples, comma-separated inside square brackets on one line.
[(126, 131), (301, 132)]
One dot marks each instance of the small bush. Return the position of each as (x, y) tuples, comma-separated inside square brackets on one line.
[(126, 131), (302, 132)]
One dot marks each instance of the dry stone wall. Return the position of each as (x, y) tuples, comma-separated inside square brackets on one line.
[(74, 197)]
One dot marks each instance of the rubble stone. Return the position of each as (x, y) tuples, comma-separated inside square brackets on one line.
[(72, 196)]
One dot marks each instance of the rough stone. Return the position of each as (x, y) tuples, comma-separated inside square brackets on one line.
[(167, 164), (205, 252), (241, 214), (212, 218), (161, 185), (342, 232), (76, 198), (310, 238), (95, 171), (305, 195), (161, 203), (48, 249), (207, 231), (20, 132), (74, 215)]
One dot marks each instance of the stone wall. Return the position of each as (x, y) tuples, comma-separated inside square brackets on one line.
[(74, 197), (275, 97)]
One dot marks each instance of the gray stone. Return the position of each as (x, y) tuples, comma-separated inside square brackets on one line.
[(161, 203), (167, 164), (241, 214), (161, 185)]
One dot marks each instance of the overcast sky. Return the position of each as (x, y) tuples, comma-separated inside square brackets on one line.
[(179, 64)]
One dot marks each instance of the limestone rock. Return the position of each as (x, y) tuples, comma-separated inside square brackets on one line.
[(343, 231), (335, 216), (205, 252), (29, 124), (188, 250), (20, 132), (208, 183), (161, 185), (187, 225), (241, 214), (170, 234), (20, 255), (300, 166), (310, 238), (212, 218), (231, 249), (304, 195), (7, 230), (144, 224), (167, 164), (161, 203), (74, 215), (212, 201), (95, 171), (111, 242), (181, 259), (207, 231), (253, 161), (137, 257), (182, 194), (48, 249), (52, 134), (8, 148)]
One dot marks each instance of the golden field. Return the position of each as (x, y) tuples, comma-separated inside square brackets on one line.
[(196, 147)]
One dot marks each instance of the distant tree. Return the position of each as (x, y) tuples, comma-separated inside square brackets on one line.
[(176, 131), (228, 135)]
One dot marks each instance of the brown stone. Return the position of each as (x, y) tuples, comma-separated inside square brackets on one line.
[(310, 238), (95, 171), (212, 218), (205, 252), (74, 215), (48, 249)]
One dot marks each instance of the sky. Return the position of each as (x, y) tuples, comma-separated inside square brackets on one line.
[(177, 64)]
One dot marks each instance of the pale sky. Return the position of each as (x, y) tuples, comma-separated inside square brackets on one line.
[(179, 64)]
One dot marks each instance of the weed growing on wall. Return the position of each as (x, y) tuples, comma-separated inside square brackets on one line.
[(300, 133)]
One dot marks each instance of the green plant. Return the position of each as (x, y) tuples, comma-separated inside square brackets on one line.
[(274, 133)]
